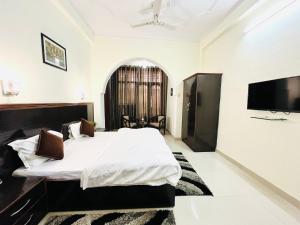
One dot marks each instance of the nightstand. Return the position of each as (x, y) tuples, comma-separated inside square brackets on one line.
[(22, 201)]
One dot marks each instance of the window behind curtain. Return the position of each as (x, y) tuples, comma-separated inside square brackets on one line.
[(137, 92)]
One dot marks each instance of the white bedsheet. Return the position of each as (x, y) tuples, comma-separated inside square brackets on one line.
[(133, 157), (123, 158), (78, 154)]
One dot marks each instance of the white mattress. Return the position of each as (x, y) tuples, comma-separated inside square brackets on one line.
[(78, 154), (127, 157)]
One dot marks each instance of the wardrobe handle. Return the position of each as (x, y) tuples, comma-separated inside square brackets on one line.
[(188, 106)]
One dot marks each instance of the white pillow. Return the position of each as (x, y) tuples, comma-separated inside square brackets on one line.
[(26, 149), (74, 130)]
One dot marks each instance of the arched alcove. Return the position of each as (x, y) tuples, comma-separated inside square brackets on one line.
[(163, 93), (128, 61)]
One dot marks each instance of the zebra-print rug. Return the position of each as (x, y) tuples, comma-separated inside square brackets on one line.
[(190, 183), (161, 217)]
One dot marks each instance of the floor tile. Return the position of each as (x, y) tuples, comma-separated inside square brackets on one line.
[(237, 200)]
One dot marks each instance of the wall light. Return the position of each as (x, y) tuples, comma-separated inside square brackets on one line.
[(269, 14), (11, 87), (80, 93), (82, 96)]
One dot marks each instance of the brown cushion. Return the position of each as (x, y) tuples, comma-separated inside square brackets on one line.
[(87, 128), (50, 146)]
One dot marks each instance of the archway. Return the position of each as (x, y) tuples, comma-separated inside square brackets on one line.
[(138, 89), (126, 61)]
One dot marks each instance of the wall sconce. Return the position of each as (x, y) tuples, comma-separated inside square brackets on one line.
[(81, 94), (10, 87)]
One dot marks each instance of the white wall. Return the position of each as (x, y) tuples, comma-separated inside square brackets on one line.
[(21, 24), (270, 149), (177, 59), (89, 63)]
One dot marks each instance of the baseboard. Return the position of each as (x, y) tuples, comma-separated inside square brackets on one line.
[(271, 186)]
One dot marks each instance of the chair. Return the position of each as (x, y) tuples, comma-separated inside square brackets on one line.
[(158, 122), (126, 122)]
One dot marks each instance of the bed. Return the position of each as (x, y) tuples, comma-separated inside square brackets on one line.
[(124, 158), (107, 178)]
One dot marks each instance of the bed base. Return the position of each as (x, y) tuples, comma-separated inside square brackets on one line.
[(68, 196)]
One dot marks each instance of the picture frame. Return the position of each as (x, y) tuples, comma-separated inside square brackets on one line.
[(53, 53)]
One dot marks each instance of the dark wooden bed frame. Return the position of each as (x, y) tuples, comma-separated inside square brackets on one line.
[(67, 195)]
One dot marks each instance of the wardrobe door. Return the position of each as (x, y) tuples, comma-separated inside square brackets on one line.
[(189, 109), (207, 112)]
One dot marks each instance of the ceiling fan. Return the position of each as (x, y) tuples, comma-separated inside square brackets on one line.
[(173, 3), (156, 8)]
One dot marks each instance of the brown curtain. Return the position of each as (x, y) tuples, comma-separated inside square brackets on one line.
[(137, 92)]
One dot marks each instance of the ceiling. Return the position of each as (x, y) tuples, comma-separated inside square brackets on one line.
[(113, 18)]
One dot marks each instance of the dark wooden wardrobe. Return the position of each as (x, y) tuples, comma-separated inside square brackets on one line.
[(200, 114)]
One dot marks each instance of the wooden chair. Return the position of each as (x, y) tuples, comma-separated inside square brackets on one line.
[(158, 122), (126, 122)]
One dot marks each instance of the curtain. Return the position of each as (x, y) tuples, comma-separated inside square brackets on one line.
[(137, 92)]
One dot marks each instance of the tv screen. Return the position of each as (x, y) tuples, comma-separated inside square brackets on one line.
[(275, 95)]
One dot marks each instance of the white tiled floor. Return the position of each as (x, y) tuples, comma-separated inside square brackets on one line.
[(238, 198)]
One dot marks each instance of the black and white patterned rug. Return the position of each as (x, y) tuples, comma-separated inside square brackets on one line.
[(190, 183), (160, 217)]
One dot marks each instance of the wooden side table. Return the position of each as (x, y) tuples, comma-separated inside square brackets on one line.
[(142, 124), (22, 201)]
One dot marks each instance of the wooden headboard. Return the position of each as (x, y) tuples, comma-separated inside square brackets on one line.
[(52, 116), (32, 117)]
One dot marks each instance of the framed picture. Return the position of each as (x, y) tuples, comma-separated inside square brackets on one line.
[(53, 53)]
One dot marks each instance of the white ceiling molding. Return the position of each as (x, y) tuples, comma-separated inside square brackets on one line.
[(233, 18), (69, 12)]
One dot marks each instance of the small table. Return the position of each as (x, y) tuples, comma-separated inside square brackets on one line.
[(142, 124), (22, 200)]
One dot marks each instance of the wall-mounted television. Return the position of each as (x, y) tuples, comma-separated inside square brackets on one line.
[(281, 95)]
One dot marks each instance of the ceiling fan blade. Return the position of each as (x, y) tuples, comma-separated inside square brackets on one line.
[(166, 25), (157, 7), (142, 24)]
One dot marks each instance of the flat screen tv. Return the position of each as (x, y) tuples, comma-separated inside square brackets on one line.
[(281, 95)]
